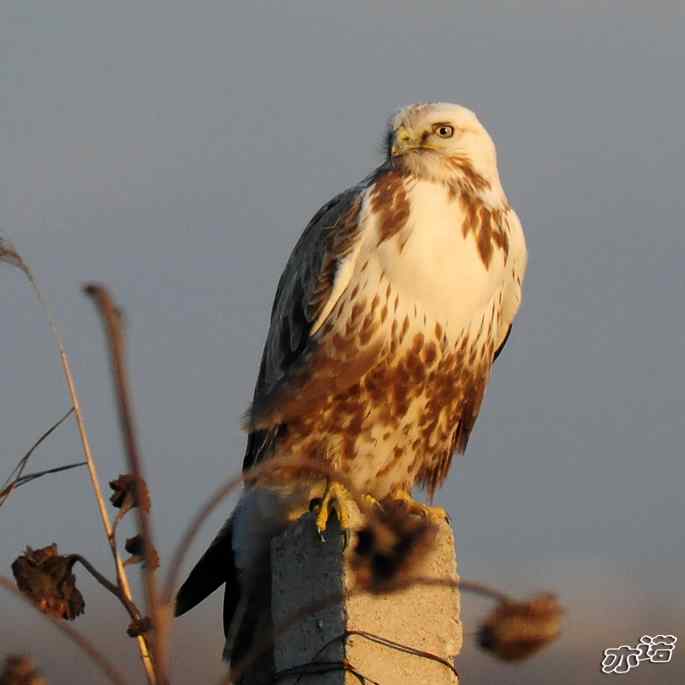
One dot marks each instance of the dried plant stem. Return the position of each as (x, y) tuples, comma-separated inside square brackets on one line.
[(15, 477), (122, 577), (105, 582), (75, 636), (9, 255), (476, 588), (114, 588), (111, 318)]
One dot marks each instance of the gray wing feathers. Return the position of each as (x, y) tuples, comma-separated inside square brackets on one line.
[(304, 287), (302, 291)]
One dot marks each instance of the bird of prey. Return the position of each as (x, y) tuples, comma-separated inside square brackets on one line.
[(390, 312)]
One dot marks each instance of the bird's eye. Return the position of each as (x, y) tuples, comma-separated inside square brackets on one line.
[(443, 130)]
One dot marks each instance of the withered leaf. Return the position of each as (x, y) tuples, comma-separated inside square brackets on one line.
[(135, 546), (129, 492)]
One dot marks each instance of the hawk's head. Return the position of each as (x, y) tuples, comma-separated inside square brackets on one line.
[(441, 141)]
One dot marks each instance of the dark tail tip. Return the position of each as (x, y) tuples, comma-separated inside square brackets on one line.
[(216, 567)]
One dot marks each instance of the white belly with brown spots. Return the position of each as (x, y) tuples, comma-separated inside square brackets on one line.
[(439, 310)]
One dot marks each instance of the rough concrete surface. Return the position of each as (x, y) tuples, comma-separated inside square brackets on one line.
[(307, 572)]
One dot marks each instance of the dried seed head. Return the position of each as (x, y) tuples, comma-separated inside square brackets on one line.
[(45, 577), (129, 492), (516, 630), (389, 548), (135, 546), (19, 670), (9, 255)]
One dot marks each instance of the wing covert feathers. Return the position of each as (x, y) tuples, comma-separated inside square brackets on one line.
[(313, 281)]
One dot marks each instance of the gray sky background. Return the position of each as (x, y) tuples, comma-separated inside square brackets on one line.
[(176, 150)]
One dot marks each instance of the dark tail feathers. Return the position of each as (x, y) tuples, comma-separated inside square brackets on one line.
[(216, 567), (245, 621)]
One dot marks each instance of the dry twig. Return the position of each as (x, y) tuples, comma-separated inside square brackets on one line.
[(16, 478), (23, 480), (111, 319), (9, 255)]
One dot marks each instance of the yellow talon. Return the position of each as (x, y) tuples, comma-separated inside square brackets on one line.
[(371, 502), (338, 499), (435, 515)]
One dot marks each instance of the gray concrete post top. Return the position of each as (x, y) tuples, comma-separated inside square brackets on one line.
[(336, 634)]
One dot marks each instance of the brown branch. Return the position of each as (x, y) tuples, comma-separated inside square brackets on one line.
[(111, 319), (130, 607), (104, 664)]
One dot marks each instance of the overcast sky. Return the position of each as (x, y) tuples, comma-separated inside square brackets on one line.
[(175, 151)]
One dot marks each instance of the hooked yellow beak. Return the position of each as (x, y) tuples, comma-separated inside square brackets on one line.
[(402, 141)]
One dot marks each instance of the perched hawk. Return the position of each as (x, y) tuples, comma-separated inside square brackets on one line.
[(388, 317)]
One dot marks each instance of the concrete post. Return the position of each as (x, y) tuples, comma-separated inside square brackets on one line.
[(306, 570)]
